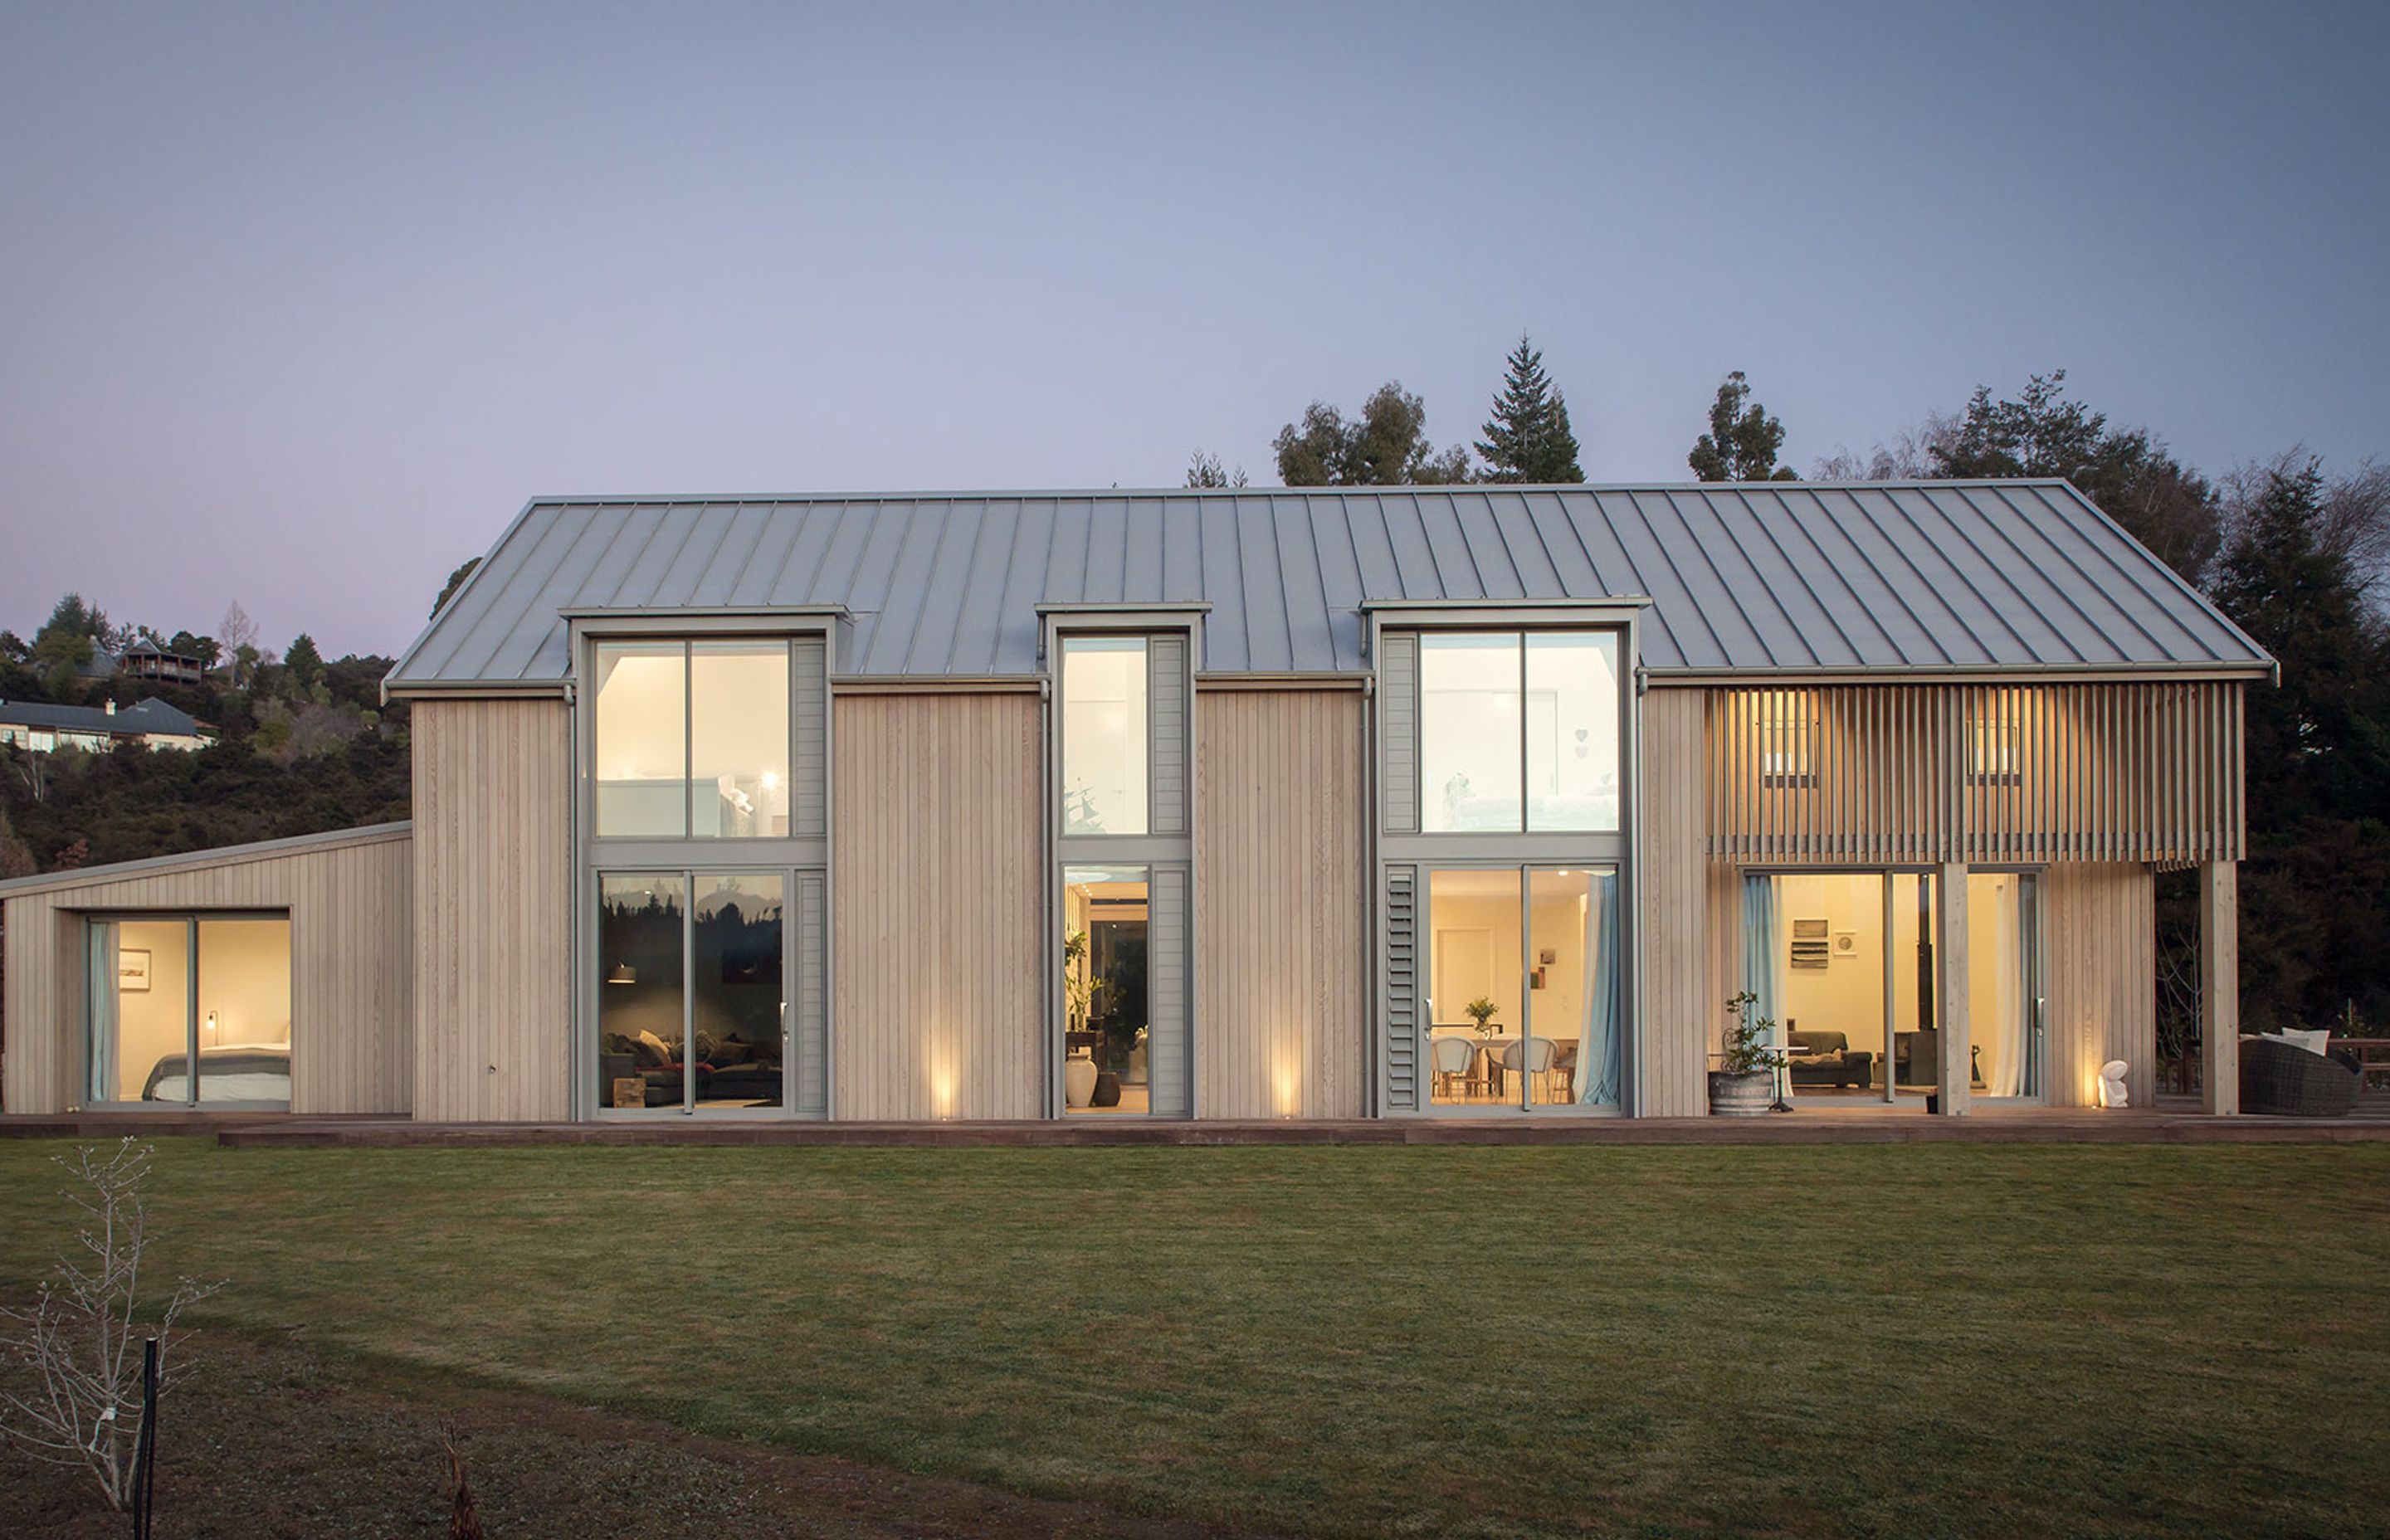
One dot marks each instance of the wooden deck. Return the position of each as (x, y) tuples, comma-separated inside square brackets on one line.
[(2175, 1121)]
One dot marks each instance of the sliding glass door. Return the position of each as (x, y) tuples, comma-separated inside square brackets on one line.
[(185, 1010), (1848, 965), (693, 993), (1525, 968)]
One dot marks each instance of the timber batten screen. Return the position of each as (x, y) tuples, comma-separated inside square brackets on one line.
[(1829, 773)]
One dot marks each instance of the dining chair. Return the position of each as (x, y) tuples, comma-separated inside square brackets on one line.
[(1451, 1057), (1532, 1057)]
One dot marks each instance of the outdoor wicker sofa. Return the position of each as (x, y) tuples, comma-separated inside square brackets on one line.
[(2287, 1080)]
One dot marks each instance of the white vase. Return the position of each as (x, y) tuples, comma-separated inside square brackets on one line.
[(1078, 1081)]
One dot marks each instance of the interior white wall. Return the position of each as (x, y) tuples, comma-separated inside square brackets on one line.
[(150, 1023), (245, 981)]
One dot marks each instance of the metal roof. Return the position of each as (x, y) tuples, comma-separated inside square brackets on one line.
[(1792, 577), (150, 715), (219, 855)]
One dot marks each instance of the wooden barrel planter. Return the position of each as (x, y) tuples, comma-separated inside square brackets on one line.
[(1746, 1095)]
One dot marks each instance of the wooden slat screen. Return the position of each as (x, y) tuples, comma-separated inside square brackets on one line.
[(1839, 774)]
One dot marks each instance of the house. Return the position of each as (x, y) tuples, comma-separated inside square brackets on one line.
[(1236, 803), (142, 660), (148, 724)]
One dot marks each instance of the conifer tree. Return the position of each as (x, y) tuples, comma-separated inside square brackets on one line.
[(1528, 438)]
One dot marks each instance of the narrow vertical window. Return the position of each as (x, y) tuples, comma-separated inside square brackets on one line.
[(1104, 768)]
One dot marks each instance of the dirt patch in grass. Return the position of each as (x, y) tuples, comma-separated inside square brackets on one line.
[(268, 1438)]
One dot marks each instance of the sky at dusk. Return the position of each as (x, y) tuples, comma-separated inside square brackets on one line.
[(302, 304)]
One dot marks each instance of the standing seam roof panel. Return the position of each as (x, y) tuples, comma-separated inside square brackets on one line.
[(1771, 576)]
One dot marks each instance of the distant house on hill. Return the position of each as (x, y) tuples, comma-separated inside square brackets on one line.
[(152, 724), (144, 661)]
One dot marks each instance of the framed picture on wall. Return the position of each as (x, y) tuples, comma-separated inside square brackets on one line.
[(133, 970), (1809, 944)]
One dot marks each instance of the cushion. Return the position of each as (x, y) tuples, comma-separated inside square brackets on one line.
[(2318, 1042), (1820, 1042), (652, 1051)]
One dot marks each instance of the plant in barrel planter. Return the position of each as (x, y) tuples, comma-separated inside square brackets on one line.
[(1745, 1083)]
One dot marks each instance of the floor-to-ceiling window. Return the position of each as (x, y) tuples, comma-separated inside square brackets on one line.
[(1846, 964), (1125, 873), (1505, 859), (705, 817), (188, 1010), (1524, 972)]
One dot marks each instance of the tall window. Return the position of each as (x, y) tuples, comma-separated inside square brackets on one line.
[(1104, 770), (693, 740), (1518, 731)]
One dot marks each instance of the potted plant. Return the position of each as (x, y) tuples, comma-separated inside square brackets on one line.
[(1745, 1083), (1480, 1010)]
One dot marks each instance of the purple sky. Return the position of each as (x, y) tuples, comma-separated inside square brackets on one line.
[(302, 304)]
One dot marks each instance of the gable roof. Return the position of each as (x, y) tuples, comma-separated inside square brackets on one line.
[(1770, 577), (149, 715)]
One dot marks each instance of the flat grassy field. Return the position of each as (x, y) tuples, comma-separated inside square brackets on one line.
[(1876, 1340)]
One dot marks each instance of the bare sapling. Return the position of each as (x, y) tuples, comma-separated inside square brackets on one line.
[(76, 1351)]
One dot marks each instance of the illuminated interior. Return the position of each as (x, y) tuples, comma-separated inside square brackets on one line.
[(1855, 1001), (168, 993), (1106, 999)]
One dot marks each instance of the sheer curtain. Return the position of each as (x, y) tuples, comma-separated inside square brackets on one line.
[(1600, 1066), (2007, 961), (101, 991)]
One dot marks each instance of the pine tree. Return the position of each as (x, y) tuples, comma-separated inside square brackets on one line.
[(303, 667), (1528, 439), (1743, 439)]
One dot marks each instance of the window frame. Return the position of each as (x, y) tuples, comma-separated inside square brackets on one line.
[(190, 920), (1623, 674), (798, 855), (1156, 853)]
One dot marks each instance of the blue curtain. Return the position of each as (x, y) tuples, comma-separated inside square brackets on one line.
[(1759, 945), (1600, 1066)]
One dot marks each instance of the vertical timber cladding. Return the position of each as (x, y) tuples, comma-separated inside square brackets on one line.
[(1282, 857), (938, 1007), (492, 909), (1680, 996), (352, 1035), (1984, 773)]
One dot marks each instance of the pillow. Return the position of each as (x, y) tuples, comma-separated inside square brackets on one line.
[(653, 1053), (729, 1050), (2316, 1042)]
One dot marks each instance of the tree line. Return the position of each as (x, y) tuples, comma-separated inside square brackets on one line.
[(302, 744)]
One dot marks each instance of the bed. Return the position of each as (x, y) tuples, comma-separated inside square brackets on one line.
[(230, 1072)]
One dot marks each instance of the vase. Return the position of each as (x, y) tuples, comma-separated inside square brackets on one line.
[(1078, 1081)]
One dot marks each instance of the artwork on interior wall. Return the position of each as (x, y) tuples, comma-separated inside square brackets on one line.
[(1536, 980), (1809, 944), (133, 969), (1548, 956), (1847, 943)]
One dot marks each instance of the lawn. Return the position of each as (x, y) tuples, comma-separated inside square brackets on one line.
[(1851, 1339)]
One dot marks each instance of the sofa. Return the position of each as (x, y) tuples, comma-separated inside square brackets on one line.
[(727, 1068), (2284, 1080), (1828, 1058)]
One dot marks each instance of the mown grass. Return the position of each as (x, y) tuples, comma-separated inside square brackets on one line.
[(1876, 1340)]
